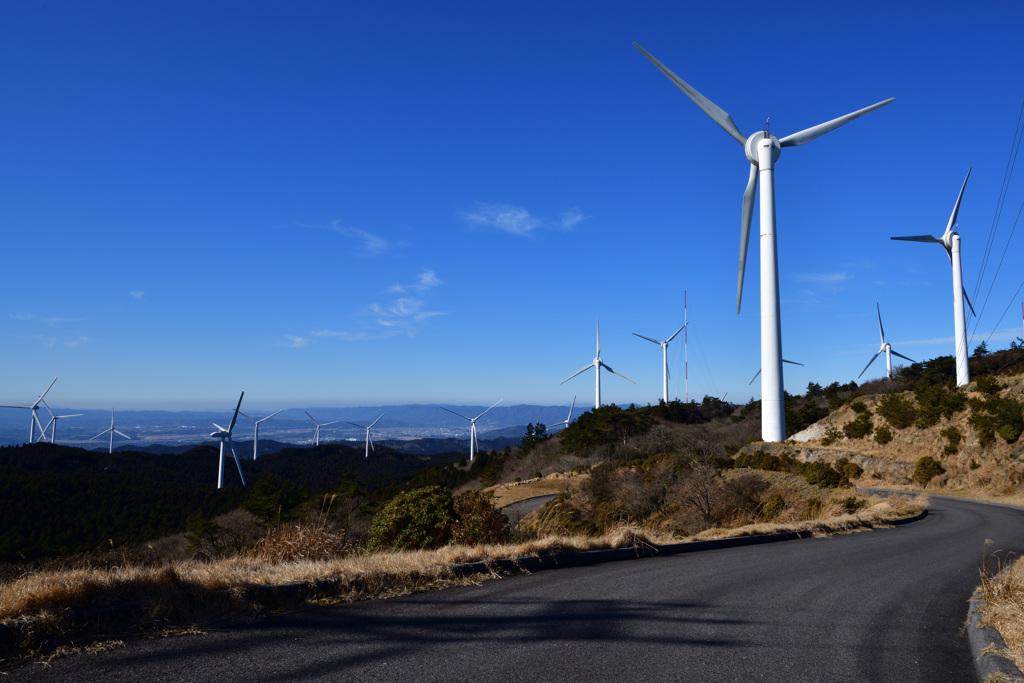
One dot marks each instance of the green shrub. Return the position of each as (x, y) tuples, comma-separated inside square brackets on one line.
[(974, 464), (821, 474), (988, 385), (848, 470), (996, 415), (773, 506), (858, 407), (883, 435), (898, 411), (832, 435), (851, 504), (860, 427), (927, 467), (478, 520), (422, 518), (935, 401), (953, 436)]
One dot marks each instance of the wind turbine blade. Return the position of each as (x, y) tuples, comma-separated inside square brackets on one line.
[(710, 108), (969, 304), (45, 392), (745, 218), (598, 338), (647, 338), (902, 356), (330, 423), (355, 425), (755, 376), (378, 420), (570, 411), (956, 207), (272, 415), (238, 464), (792, 362), (247, 417), (235, 417), (581, 370), (105, 431), (482, 414), (918, 238), (817, 131), (869, 363), (675, 333), (881, 332), (123, 434), (454, 413), (609, 369)]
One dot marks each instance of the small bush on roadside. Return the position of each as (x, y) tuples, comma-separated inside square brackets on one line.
[(953, 436), (412, 520), (478, 520), (773, 506), (926, 468)]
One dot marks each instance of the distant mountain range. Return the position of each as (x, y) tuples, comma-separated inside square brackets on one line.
[(161, 431)]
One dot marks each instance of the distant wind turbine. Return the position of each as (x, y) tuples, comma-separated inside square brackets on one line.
[(951, 241), (256, 430), (886, 347), (52, 424), (111, 431), (225, 436), (565, 422), (316, 434), (597, 364), (664, 358), (34, 420), (474, 446), (369, 441), (762, 151)]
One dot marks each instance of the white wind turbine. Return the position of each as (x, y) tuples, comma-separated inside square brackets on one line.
[(565, 422), (951, 241), (34, 420), (52, 424), (316, 434), (473, 445), (256, 430), (886, 347), (111, 431), (763, 150), (369, 441), (597, 364), (225, 436), (664, 358)]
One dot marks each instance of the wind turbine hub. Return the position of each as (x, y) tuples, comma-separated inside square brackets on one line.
[(755, 140)]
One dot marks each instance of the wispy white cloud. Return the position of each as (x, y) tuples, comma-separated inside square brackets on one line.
[(405, 314), (295, 342), (50, 321), (516, 220), (138, 294), (347, 336), (72, 343), (426, 280), (372, 245)]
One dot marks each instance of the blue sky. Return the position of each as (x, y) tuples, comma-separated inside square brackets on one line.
[(335, 204)]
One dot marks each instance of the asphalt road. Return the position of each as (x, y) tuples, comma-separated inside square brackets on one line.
[(885, 605)]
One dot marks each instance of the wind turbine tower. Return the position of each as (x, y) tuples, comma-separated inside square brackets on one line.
[(886, 347), (664, 358), (111, 431), (52, 424), (225, 436), (256, 430), (762, 150), (316, 434), (474, 446), (34, 420), (951, 241), (369, 441), (597, 364)]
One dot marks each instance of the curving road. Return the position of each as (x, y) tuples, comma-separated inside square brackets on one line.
[(886, 605)]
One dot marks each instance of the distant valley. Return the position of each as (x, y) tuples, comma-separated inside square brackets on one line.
[(163, 431)]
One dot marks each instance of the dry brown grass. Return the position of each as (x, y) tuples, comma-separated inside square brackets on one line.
[(1002, 593)]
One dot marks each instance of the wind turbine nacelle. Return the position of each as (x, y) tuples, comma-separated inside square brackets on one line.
[(754, 140)]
